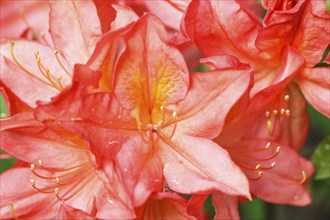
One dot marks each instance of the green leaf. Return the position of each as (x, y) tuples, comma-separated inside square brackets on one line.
[(321, 159), (3, 109)]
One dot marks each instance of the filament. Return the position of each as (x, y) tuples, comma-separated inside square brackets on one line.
[(12, 211), (61, 64)]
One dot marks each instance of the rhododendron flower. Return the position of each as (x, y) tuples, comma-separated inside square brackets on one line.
[(160, 122), (62, 175), (304, 27), (48, 70)]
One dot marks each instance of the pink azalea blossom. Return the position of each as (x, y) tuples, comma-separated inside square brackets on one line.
[(159, 124), (303, 26), (48, 69), (62, 175)]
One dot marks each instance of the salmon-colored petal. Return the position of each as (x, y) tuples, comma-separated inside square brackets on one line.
[(141, 168), (13, 104), (124, 16), (310, 22), (18, 17), (188, 168), (74, 33), (106, 14), (105, 125), (315, 85), (150, 73), (19, 199), (164, 206), (29, 140), (196, 204), (286, 183), (36, 67), (226, 207), (67, 212), (210, 98), (171, 13), (213, 30)]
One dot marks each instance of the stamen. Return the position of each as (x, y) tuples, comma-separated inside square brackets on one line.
[(57, 191), (260, 173), (282, 111), (287, 112), (60, 63), (174, 115), (267, 114), (286, 98), (12, 211), (270, 127), (12, 44), (304, 174), (268, 168), (33, 183), (59, 81), (275, 112), (267, 145)]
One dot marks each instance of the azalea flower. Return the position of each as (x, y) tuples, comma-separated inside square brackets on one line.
[(47, 69), (159, 124), (303, 26), (62, 178)]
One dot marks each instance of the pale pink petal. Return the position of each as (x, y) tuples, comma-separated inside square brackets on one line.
[(188, 168), (28, 80), (226, 207), (74, 33), (315, 85), (171, 11), (16, 191), (210, 98), (67, 212), (141, 168), (33, 139)]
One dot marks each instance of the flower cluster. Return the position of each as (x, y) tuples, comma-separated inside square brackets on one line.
[(108, 120)]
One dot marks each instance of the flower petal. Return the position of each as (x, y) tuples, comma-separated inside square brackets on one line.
[(141, 168), (210, 97), (28, 61), (150, 72), (315, 85), (226, 207), (188, 168), (25, 201), (74, 33)]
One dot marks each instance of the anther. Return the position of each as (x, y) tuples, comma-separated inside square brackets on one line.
[(267, 114), (278, 149), (57, 180), (33, 183), (282, 111), (274, 112), (287, 112), (257, 167), (270, 128), (286, 98), (40, 162), (267, 145), (273, 164), (304, 174), (32, 166), (174, 114)]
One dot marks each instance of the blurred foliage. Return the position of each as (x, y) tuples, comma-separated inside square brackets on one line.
[(321, 159)]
